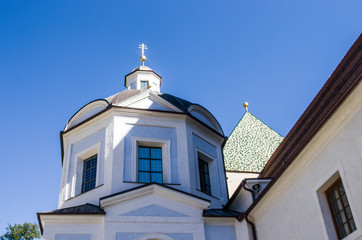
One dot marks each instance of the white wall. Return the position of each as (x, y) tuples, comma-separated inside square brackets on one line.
[(114, 137), (292, 209), (235, 178)]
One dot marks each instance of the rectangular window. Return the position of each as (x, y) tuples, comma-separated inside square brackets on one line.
[(144, 84), (89, 173), (340, 209), (149, 164), (204, 177)]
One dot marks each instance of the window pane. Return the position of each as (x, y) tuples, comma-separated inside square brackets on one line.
[(343, 217), (92, 184), (341, 188), (144, 177), (204, 177), (87, 187), (348, 212), (93, 173), (143, 152), (335, 193), (331, 197), (346, 229), (87, 176), (88, 164), (353, 225), (207, 180), (344, 200), (94, 161), (144, 165), (339, 205), (156, 153), (157, 177), (341, 232), (208, 190), (156, 165)]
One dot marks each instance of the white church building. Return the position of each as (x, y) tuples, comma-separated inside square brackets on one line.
[(146, 165)]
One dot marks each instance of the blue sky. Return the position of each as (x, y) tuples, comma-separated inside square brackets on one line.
[(56, 56)]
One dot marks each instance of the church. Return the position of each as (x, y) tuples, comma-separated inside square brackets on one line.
[(147, 165)]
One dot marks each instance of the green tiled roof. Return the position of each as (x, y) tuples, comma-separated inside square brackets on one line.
[(250, 145)]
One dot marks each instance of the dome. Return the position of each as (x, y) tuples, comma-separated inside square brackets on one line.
[(128, 98)]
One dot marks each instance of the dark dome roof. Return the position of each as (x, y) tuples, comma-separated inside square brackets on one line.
[(180, 103)]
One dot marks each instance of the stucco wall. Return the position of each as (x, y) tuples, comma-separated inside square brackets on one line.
[(294, 208)]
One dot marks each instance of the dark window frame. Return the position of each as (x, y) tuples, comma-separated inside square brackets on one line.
[(89, 168), (339, 206), (151, 160), (204, 176)]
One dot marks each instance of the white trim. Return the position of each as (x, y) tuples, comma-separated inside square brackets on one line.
[(165, 145), (74, 120), (225, 221), (203, 111), (78, 173), (152, 96), (156, 189), (213, 171)]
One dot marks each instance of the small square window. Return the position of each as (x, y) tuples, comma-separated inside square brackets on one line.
[(144, 84), (340, 209), (150, 164), (89, 173)]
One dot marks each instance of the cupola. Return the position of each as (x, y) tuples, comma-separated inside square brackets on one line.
[(143, 77)]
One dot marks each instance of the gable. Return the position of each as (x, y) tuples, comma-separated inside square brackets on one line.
[(154, 210), (148, 99), (147, 103), (154, 201)]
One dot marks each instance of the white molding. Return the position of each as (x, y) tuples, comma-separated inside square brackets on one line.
[(150, 95), (80, 157), (74, 120), (165, 145), (199, 109), (159, 190), (219, 221)]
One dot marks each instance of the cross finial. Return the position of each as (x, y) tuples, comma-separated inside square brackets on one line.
[(143, 57)]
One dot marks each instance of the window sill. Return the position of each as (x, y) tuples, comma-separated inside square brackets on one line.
[(207, 194), (149, 183)]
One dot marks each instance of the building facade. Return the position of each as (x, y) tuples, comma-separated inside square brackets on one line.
[(145, 165)]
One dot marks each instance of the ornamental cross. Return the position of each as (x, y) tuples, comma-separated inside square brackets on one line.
[(143, 57), (143, 47)]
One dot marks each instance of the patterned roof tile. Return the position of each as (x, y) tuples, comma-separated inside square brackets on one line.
[(250, 145)]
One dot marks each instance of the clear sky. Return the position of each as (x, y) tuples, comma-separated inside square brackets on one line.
[(56, 56)]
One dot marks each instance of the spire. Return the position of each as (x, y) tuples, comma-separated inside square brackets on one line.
[(143, 77), (143, 57)]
